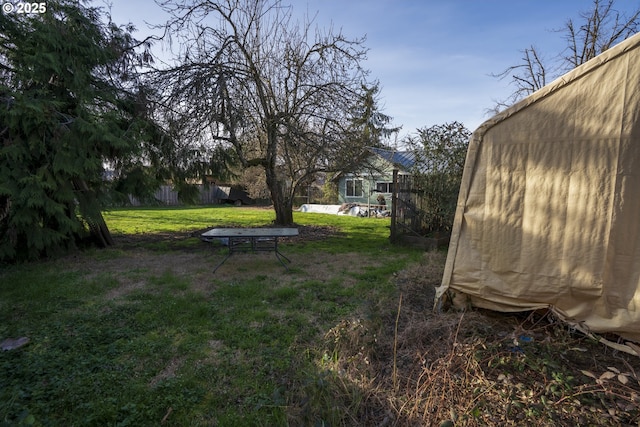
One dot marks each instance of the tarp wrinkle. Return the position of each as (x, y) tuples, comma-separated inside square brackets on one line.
[(548, 210)]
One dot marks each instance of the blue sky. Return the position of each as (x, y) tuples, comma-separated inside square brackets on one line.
[(433, 58)]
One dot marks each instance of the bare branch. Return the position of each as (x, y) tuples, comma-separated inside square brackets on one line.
[(276, 91), (597, 30)]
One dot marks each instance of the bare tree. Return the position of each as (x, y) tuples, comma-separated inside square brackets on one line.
[(280, 93), (597, 30), (526, 77), (601, 28)]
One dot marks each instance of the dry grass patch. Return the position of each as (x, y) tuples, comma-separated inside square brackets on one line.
[(120, 292), (408, 366), (169, 371)]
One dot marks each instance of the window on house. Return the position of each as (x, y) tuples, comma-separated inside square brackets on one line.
[(354, 188), (384, 187)]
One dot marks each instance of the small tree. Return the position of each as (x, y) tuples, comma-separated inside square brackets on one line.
[(440, 153)]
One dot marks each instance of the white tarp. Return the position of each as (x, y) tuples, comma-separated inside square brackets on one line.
[(549, 208), (344, 209), (328, 209)]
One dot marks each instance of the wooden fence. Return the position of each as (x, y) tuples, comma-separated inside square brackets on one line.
[(408, 216), (167, 196)]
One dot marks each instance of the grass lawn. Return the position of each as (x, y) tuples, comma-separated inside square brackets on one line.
[(143, 334)]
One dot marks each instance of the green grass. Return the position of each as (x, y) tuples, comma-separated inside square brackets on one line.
[(143, 334), (357, 232), (179, 219), (126, 336)]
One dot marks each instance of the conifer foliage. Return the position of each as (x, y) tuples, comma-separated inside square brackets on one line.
[(68, 105)]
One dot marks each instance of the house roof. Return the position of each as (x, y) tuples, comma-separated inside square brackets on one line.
[(402, 159)]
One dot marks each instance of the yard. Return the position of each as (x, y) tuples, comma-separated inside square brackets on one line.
[(144, 334)]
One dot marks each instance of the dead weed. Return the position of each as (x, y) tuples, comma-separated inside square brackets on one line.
[(413, 367)]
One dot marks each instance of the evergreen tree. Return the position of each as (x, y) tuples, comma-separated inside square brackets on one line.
[(369, 124), (68, 105)]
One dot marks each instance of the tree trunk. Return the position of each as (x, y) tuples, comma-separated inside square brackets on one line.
[(281, 196), (100, 233), (284, 213), (98, 229), (282, 202)]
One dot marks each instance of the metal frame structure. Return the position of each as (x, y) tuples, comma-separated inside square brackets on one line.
[(251, 240)]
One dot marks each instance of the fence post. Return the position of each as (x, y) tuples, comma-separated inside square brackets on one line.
[(394, 207)]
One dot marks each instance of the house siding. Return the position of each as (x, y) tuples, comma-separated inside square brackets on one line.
[(366, 189), (369, 185), (380, 172)]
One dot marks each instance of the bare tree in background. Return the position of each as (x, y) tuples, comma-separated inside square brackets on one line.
[(280, 93), (597, 30), (602, 28)]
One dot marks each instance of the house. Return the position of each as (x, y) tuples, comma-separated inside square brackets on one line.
[(548, 210), (374, 177)]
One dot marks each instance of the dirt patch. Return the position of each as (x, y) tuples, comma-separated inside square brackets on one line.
[(308, 233), (176, 240), (132, 241), (133, 263), (122, 291), (418, 282), (135, 258), (169, 371)]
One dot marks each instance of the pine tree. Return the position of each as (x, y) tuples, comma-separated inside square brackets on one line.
[(369, 124)]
